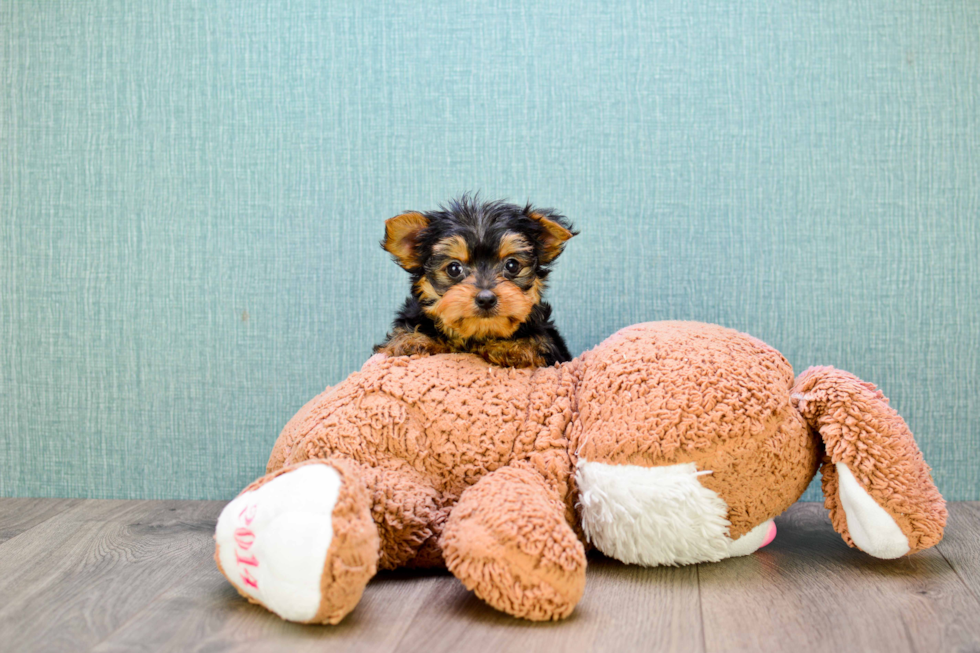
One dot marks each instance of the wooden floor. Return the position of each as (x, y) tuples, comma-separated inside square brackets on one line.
[(138, 575)]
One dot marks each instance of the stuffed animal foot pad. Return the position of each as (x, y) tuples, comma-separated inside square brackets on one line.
[(299, 543), (659, 515), (270, 539)]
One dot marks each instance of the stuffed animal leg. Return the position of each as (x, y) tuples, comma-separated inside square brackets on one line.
[(507, 539), (876, 485), (303, 541)]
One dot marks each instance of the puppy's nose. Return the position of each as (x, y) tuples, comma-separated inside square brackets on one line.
[(486, 300)]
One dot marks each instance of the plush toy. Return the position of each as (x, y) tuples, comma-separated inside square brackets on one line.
[(670, 443)]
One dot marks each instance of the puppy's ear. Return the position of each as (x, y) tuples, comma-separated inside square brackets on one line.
[(402, 234), (553, 236)]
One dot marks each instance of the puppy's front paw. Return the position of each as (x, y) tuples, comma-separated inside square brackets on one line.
[(409, 343), (521, 352)]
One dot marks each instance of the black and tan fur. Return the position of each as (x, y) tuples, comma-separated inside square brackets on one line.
[(478, 273)]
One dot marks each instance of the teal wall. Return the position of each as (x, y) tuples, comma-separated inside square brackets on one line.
[(192, 195)]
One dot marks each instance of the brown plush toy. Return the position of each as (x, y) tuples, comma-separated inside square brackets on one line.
[(670, 443)]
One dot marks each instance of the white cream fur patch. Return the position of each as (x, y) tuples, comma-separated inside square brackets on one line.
[(871, 527), (657, 515), (273, 541)]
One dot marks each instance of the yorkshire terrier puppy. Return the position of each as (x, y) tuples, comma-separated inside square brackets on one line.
[(478, 271)]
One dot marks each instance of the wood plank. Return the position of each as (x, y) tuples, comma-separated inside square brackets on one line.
[(80, 575), (19, 515), (808, 591), (403, 610), (624, 608), (205, 613), (641, 609), (139, 576), (961, 543)]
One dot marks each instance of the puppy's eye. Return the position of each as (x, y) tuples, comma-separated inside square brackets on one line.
[(454, 270), (512, 265)]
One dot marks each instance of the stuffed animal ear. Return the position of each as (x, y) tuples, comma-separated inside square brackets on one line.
[(401, 240), (877, 486), (553, 236)]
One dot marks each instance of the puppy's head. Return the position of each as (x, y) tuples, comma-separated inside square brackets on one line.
[(478, 268)]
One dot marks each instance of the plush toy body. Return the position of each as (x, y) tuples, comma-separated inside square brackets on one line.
[(669, 443)]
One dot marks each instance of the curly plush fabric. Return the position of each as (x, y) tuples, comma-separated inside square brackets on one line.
[(861, 430), (451, 461), (689, 392), (507, 540), (430, 427)]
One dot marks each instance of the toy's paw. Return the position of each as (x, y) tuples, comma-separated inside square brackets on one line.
[(507, 540), (273, 541), (870, 526), (280, 542)]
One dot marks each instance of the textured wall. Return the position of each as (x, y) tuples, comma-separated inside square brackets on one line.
[(192, 195)]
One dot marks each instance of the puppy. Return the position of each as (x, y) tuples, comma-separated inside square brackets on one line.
[(478, 271)]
